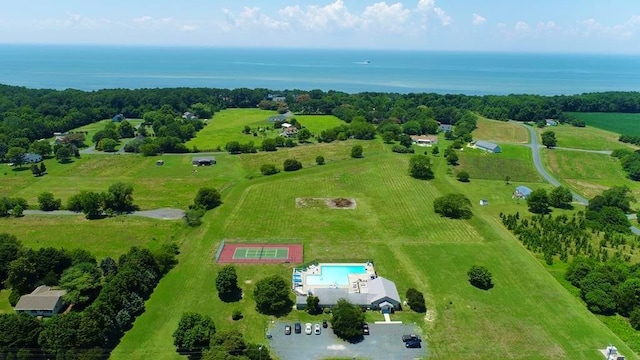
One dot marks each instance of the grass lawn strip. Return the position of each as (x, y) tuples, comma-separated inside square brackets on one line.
[(620, 123)]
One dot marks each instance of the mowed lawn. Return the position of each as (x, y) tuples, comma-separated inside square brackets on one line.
[(527, 315), (500, 131), (174, 184), (317, 123), (514, 161), (620, 123), (93, 128), (588, 138), (587, 173)]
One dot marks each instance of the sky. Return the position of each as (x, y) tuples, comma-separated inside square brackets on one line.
[(590, 26)]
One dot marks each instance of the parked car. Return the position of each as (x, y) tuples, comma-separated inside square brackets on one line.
[(297, 328), (287, 329), (325, 324), (413, 344), (307, 328), (365, 329), (413, 337), (316, 329)]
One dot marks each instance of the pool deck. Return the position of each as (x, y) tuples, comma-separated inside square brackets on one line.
[(357, 283)]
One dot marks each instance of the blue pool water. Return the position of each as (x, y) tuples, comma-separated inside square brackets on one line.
[(335, 274)]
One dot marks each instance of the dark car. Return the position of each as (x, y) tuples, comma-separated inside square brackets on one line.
[(365, 329), (297, 328), (411, 337), (413, 344), (325, 324), (287, 329)]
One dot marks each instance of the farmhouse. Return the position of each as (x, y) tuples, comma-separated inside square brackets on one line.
[(550, 122), (522, 192), (356, 283), (488, 146), (424, 140), (189, 116), (446, 127), (203, 161), (118, 118), (43, 301), (31, 158), (289, 131)]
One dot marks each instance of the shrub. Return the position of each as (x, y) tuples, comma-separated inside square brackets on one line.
[(480, 277), (463, 176), (14, 297), (292, 165), (207, 198), (402, 149), (634, 318), (193, 217), (320, 160), (236, 314), (415, 300), (269, 169), (356, 151)]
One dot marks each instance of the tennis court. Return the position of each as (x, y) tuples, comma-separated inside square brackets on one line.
[(259, 253)]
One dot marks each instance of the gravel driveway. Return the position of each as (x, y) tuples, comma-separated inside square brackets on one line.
[(160, 214)]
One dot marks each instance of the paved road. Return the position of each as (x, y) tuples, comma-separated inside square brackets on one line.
[(161, 214), (535, 151)]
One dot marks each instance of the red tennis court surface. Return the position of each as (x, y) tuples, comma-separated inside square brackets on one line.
[(259, 253)]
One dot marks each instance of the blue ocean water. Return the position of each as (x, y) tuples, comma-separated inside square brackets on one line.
[(99, 67)]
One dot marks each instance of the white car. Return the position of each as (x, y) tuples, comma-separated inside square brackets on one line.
[(307, 328), (316, 329)]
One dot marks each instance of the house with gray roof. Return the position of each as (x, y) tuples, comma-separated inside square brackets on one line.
[(43, 301), (522, 192), (446, 127), (488, 146), (380, 294), (31, 158)]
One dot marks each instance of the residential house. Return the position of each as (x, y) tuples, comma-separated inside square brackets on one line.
[(118, 118), (290, 131), (488, 146), (522, 192), (31, 158), (446, 127), (43, 301), (550, 122), (189, 116), (424, 140)]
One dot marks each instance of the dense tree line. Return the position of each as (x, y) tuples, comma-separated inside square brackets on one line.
[(630, 161), (107, 297), (27, 115)]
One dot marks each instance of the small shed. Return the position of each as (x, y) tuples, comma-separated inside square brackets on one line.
[(118, 118), (203, 161), (488, 146), (484, 202), (522, 192), (160, 162)]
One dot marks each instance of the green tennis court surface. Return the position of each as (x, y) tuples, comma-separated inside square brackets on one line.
[(258, 253)]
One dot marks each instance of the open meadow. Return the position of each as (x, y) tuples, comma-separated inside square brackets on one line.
[(528, 314), (587, 138), (587, 173), (93, 128), (500, 131), (620, 123)]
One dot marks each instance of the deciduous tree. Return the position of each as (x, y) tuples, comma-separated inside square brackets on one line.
[(560, 197), (207, 198), (47, 202), (346, 320), (455, 206), (16, 155), (420, 167), (272, 296), (480, 277), (356, 151), (549, 139), (538, 201), (227, 284)]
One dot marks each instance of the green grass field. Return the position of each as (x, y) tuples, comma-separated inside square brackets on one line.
[(587, 173), (517, 319), (527, 315), (500, 131), (227, 125), (93, 128), (5, 307), (588, 138), (514, 161), (620, 123)]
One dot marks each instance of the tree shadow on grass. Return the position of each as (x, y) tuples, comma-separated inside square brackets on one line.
[(232, 296), (20, 169)]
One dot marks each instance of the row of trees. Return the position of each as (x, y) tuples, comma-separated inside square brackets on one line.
[(206, 199), (117, 199), (540, 200), (630, 161)]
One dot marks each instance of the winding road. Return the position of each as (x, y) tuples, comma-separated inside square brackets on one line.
[(535, 152)]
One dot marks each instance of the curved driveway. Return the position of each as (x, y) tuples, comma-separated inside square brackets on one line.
[(535, 152)]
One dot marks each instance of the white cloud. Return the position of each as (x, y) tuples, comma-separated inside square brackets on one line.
[(189, 28), (321, 18), (250, 18), (73, 20), (522, 26), (445, 19), (478, 19), (385, 17), (142, 19), (426, 5)]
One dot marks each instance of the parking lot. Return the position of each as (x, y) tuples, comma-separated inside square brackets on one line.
[(384, 342)]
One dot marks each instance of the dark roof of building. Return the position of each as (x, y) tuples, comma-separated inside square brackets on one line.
[(42, 298), (31, 157), (446, 127)]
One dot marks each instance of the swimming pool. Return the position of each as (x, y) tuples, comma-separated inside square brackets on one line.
[(335, 274)]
